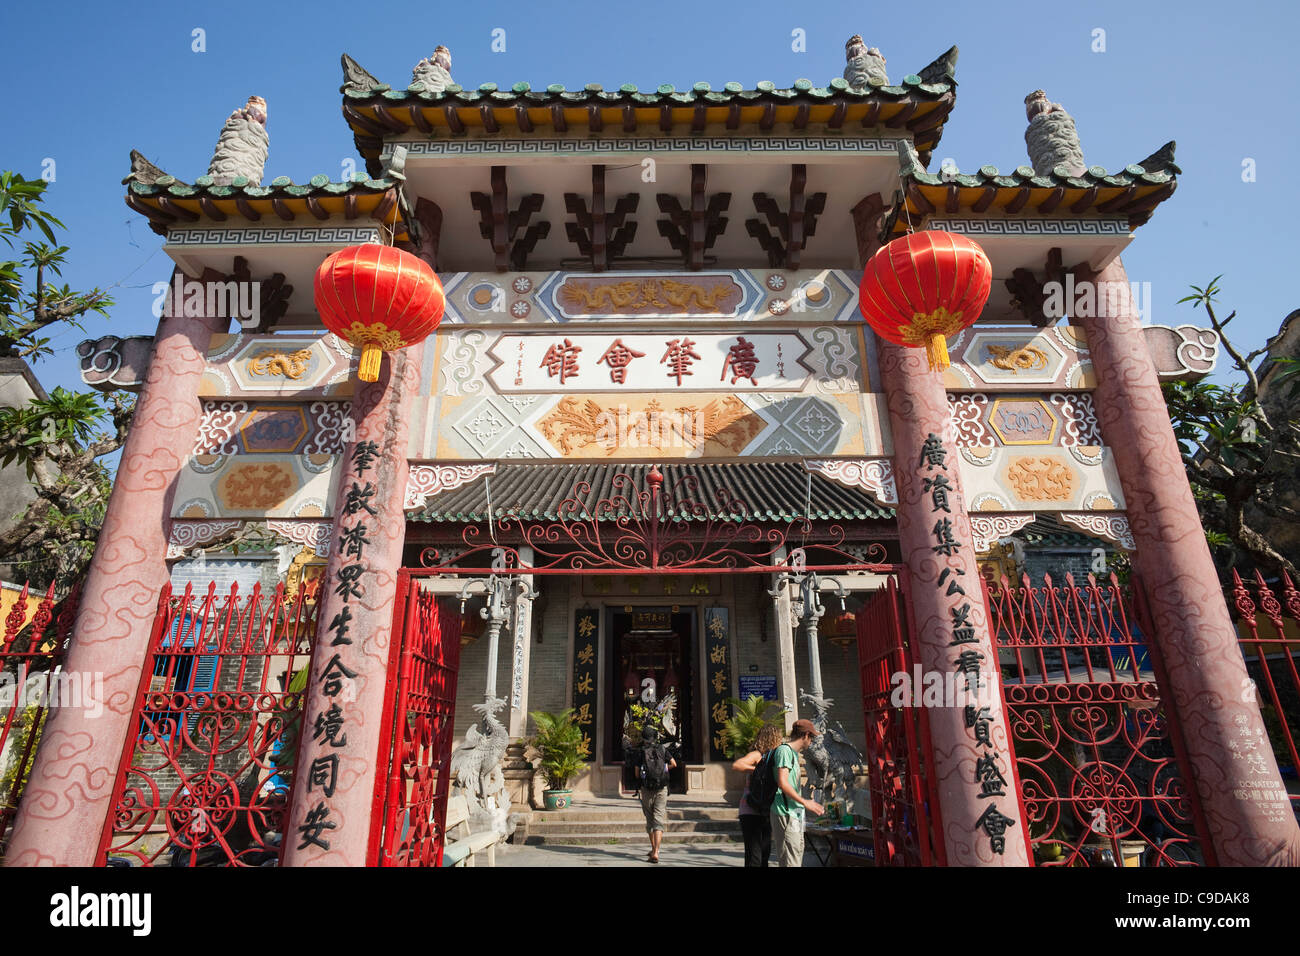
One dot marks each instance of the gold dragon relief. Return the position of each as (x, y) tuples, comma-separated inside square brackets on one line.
[(581, 427), (1026, 358), (657, 295), (291, 365)]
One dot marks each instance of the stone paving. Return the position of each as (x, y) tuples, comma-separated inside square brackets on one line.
[(627, 854)]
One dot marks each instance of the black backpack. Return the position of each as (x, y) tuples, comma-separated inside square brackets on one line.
[(762, 783), (654, 767)]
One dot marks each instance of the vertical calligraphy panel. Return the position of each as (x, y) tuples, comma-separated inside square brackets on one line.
[(717, 651), (585, 669)]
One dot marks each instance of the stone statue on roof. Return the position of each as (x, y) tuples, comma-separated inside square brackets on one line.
[(866, 67), (433, 73), (1051, 137), (243, 145)]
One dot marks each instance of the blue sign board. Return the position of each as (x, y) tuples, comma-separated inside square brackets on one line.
[(754, 686)]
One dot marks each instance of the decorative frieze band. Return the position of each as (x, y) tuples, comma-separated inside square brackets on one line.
[(874, 475), (186, 535), (425, 481), (987, 527), (1109, 527)]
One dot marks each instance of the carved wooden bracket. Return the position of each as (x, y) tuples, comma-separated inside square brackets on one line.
[(793, 229), (499, 226), (866, 225), (601, 236), (273, 295), (1029, 295), (693, 232), (429, 216)]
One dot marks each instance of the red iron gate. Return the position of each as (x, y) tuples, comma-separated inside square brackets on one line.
[(30, 683), (904, 806), (417, 730), (1270, 642), (1102, 779), (206, 773)]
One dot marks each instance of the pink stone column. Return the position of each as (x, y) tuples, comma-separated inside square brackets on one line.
[(66, 801), (918, 408), (1236, 774), (351, 676)]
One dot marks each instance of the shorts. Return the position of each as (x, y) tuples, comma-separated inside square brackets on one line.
[(654, 803)]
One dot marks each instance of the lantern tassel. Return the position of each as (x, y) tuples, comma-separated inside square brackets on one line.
[(936, 350), (371, 356)]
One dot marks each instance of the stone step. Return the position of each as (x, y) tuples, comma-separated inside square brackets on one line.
[(596, 838), (576, 827), (631, 813)]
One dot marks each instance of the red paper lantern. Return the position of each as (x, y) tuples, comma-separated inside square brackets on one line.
[(922, 288), (378, 298)]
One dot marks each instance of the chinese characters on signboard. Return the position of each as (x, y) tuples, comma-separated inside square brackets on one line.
[(647, 361), (717, 658), (584, 673)]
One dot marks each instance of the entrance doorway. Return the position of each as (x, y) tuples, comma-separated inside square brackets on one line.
[(652, 650)]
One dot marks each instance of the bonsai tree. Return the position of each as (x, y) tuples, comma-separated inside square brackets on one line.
[(748, 717), (562, 745)]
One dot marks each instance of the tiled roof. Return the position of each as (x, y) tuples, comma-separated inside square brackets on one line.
[(768, 491), (374, 110), (166, 200), (1134, 191)]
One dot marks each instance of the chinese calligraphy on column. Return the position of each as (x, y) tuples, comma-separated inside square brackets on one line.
[(968, 662), (584, 673), (330, 725)]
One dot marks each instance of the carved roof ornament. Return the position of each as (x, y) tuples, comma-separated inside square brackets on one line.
[(433, 73), (358, 79), (865, 65), (242, 147), (1051, 137), (142, 171)]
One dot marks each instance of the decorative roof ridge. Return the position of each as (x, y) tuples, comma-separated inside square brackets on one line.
[(147, 179), (1157, 169), (934, 80)]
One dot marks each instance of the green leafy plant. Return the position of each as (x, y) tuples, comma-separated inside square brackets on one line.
[(562, 745), (748, 717), (1240, 444)]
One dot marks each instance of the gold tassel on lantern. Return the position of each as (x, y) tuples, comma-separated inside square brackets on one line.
[(371, 357), (932, 331), (936, 350)]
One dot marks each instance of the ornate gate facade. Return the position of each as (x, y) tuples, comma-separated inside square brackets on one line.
[(900, 764), (207, 767), (417, 730), (1098, 754)]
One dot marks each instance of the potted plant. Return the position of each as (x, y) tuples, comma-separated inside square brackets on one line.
[(562, 746), (748, 717)]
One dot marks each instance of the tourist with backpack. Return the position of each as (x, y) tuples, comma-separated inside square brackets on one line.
[(649, 764), (787, 806), (756, 801)]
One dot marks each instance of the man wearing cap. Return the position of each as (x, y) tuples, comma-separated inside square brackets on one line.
[(650, 764), (788, 807)]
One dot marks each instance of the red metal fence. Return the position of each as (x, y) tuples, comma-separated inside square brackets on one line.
[(1269, 632), (417, 730), (1101, 779), (30, 684), (904, 807), (205, 777)]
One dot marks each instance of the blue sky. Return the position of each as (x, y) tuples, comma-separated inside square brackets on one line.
[(88, 82)]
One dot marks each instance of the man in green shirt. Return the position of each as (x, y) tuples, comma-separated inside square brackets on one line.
[(788, 807)]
